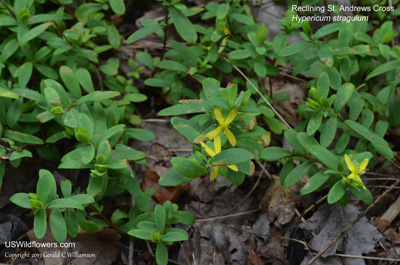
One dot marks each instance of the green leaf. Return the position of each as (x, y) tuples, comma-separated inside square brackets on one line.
[(172, 65), (66, 188), (327, 29), (279, 42), (245, 19), (345, 34), (160, 216), (293, 48), (297, 173), (5, 93), (33, 33), (46, 186), (21, 199), (323, 155), (64, 203), (260, 69), (378, 142), (239, 54), (85, 79), (143, 32), (22, 137), (24, 74), (111, 132), (71, 221), (161, 254), (186, 127), (139, 233), (40, 223), (274, 153), (140, 134), (185, 107), (323, 85), (364, 195), (174, 237), (222, 11), (155, 82), (58, 226), (314, 123), (118, 6), (14, 112), (88, 154), (173, 178), (337, 192), (98, 96), (342, 143), (146, 59), (316, 181), (126, 152), (262, 34), (71, 81), (383, 68), (328, 132), (291, 138), (52, 96), (9, 49), (232, 156), (187, 167), (343, 95), (96, 186), (82, 198), (183, 25), (135, 97)]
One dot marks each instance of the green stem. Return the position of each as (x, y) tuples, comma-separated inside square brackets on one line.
[(9, 9)]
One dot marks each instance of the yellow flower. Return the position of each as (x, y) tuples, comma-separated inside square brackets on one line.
[(356, 169), (223, 125), (217, 150)]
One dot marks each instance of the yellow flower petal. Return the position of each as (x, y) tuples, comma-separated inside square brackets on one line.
[(359, 180), (234, 168), (217, 145), (351, 176), (230, 136), (211, 135), (208, 149), (218, 116), (349, 164), (231, 117), (363, 165), (214, 174)]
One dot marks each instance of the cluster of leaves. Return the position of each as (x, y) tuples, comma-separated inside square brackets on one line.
[(48, 98), (351, 58), (340, 60)]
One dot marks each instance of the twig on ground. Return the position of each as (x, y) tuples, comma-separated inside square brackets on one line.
[(184, 252), (258, 91), (351, 224), (205, 219), (130, 253)]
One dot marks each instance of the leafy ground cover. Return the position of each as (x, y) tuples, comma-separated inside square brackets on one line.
[(192, 132)]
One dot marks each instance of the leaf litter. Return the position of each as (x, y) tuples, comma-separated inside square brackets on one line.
[(328, 222)]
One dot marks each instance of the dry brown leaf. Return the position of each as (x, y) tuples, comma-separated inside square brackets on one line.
[(330, 220), (278, 201), (273, 249), (253, 259), (99, 247), (163, 194)]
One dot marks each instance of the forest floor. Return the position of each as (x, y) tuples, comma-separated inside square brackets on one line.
[(259, 222)]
